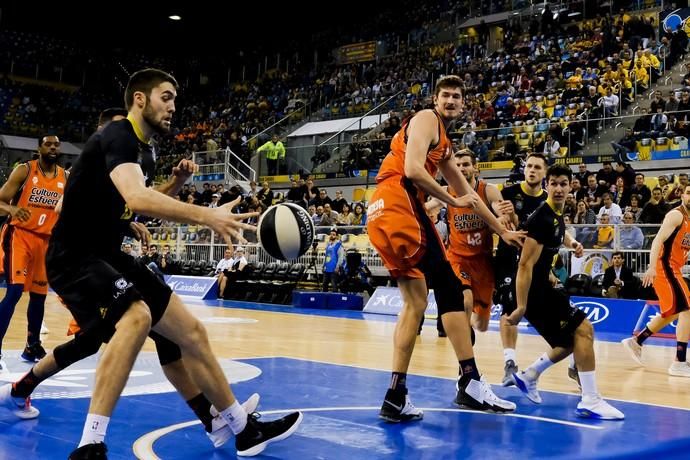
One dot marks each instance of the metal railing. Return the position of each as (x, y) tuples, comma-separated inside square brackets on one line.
[(213, 163), (195, 243)]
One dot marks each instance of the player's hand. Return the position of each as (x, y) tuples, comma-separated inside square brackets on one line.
[(515, 317), (506, 222), (579, 249), (514, 238), (468, 200), (504, 207), (553, 279), (185, 169), (648, 278), (223, 221), (141, 233), (22, 214)]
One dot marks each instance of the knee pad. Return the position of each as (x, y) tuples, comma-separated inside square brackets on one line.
[(168, 352), (81, 346), (448, 290)]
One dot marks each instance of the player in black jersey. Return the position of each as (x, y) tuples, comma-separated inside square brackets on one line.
[(17, 396), (525, 198), (549, 311), (118, 298)]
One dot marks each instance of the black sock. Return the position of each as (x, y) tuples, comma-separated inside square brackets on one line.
[(468, 370), (681, 351), (398, 381), (202, 408), (26, 385), (644, 335)]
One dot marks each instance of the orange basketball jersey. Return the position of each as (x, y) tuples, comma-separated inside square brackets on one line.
[(674, 252), (394, 163), (469, 234), (40, 194)]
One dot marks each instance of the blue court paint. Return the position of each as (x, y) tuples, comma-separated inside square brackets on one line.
[(547, 430)]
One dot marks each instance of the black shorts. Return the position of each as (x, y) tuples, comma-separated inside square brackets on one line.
[(98, 290), (550, 312)]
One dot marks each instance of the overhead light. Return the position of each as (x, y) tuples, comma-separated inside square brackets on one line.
[(175, 17), (573, 13)]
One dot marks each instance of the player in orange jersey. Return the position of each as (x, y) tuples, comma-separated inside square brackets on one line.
[(470, 249), (29, 196), (409, 246), (669, 253)]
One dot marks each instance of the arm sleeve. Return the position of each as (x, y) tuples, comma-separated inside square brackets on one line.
[(119, 146)]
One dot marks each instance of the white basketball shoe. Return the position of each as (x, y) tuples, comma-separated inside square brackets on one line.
[(21, 408), (595, 407)]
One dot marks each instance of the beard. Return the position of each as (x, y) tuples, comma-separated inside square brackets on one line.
[(49, 158), (149, 117)]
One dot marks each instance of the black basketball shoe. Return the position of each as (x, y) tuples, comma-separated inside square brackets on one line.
[(397, 408), (90, 452), (257, 435), (478, 395), (33, 353)]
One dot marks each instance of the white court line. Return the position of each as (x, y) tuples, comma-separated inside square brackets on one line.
[(632, 401), (143, 447)]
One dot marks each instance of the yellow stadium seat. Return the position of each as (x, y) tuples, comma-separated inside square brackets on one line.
[(651, 182), (358, 194), (661, 144), (524, 141), (530, 126), (679, 143), (368, 193), (517, 127), (563, 152), (644, 148)]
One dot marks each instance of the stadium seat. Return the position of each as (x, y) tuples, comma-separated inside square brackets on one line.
[(368, 193), (679, 143), (578, 284), (358, 194), (661, 144), (644, 148), (597, 285)]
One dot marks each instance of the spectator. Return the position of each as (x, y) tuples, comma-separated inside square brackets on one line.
[(152, 260), (606, 175), (296, 194), (655, 210), (316, 217), (619, 281), (631, 236), (570, 207), (584, 216), (576, 189), (634, 207), (215, 201), (604, 234), (625, 171), (582, 173), (265, 195), (252, 189), (322, 199), (275, 151), (127, 249), (593, 193), (224, 264), (329, 218), (360, 217), (346, 216), (683, 180), (333, 261), (641, 190), (551, 147), (339, 201), (612, 209), (621, 193)]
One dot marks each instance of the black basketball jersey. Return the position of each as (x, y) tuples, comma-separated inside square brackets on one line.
[(547, 228), (524, 204), (95, 217)]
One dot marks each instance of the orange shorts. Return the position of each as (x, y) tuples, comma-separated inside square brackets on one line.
[(477, 274), (23, 256), (672, 291), (400, 230)]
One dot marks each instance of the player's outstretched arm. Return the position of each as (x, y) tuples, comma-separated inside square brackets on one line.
[(129, 181)]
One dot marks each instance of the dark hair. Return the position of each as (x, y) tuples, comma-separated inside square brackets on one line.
[(110, 113), (449, 81), (639, 174), (617, 253), (559, 170), (42, 139), (606, 194), (604, 163), (144, 81)]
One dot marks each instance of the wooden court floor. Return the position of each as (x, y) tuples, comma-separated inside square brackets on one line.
[(368, 344)]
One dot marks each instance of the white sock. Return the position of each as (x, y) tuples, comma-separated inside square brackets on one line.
[(571, 361), (588, 381), (509, 354), (94, 429), (541, 364), (236, 417)]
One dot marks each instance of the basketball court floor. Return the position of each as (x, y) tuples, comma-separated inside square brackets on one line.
[(334, 366)]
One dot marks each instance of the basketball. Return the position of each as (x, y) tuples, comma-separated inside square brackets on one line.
[(285, 231)]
